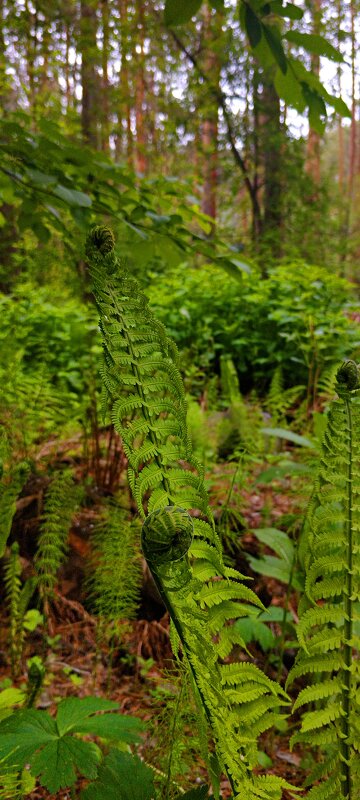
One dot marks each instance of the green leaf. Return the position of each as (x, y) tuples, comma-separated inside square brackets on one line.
[(233, 266), (338, 104), (23, 733), (200, 793), (113, 726), (278, 541), (178, 13), (8, 698), (272, 567), (289, 89), (218, 5), (72, 196), (288, 10), (47, 744), (314, 43), (253, 630), (56, 764), (74, 710), (282, 433), (252, 26), (273, 39), (32, 619), (121, 776), (39, 178)]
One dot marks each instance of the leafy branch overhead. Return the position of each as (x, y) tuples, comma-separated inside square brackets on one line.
[(263, 25)]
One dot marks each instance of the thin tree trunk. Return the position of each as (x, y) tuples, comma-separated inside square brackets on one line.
[(352, 153), (89, 77), (105, 110), (312, 164), (124, 113), (209, 128), (141, 139)]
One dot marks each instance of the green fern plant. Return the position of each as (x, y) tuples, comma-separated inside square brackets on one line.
[(279, 399), (17, 597), (246, 421), (114, 573), (61, 501), (113, 577), (11, 484), (328, 629), (144, 393)]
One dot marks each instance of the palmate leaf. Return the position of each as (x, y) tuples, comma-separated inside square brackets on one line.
[(32, 736), (121, 776)]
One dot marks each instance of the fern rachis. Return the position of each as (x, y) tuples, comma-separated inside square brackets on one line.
[(326, 629), (143, 391)]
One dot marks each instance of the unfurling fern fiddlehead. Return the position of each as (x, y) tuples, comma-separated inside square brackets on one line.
[(329, 619), (144, 392)]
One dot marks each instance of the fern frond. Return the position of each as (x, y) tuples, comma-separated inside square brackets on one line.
[(10, 487), (114, 577), (61, 501), (12, 594), (329, 644), (148, 409)]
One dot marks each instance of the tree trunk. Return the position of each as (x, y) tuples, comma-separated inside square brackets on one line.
[(209, 128), (312, 164), (89, 76), (271, 140), (105, 106), (141, 138)]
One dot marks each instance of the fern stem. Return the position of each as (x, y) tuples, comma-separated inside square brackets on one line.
[(172, 737), (175, 617), (348, 625)]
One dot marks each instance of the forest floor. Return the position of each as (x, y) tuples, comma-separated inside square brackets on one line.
[(77, 664)]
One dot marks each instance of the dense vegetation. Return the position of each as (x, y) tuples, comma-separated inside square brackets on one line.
[(179, 482)]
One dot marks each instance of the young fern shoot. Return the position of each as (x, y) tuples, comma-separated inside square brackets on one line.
[(328, 629), (143, 390), (61, 501)]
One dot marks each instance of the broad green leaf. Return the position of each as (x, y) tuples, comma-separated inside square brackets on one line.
[(282, 433), (272, 567), (56, 764), (32, 619), (32, 736), (252, 26), (178, 13), (24, 732), (8, 698), (253, 630), (121, 776), (218, 5), (273, 39), (113, 726), (338, 104), (233, 266), (275, 614), (74, 710), (289, 10), (278, 541), (289, 89), (200, 793), (72, 196), (40, 178), (314, 43)]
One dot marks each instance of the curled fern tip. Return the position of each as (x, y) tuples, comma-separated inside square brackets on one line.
[(101, 238), (348, 377), (166, 535)]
